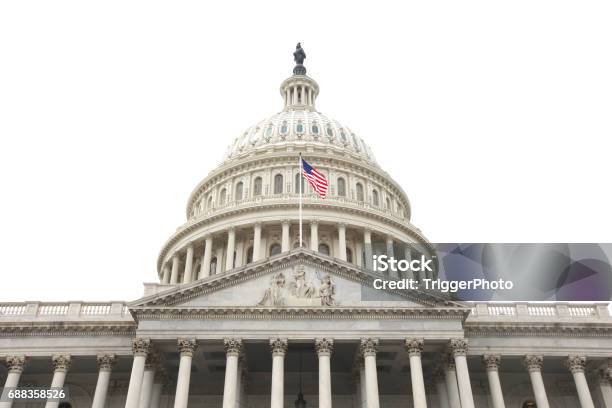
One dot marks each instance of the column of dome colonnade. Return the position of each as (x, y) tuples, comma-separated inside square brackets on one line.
[(253, 242)]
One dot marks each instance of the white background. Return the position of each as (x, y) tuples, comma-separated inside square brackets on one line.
[(495, 117)]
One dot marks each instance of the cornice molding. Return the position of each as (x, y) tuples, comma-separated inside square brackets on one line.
[(53, 329), (482, 329)]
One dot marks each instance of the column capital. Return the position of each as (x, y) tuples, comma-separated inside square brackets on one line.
[(231, 228), (341, 225), (141, 346), (106, 362), (368, 346), (257, 224), (458, 347), (575, 363), (233, 346), (491, 361), (285, 221), (61, 362), (533, 363), (186, 346), (278, 346), (324, 346), (448, 362), (15, 364), (314, 222), (414, 347)]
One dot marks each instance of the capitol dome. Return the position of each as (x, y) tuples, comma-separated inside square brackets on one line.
[(247, 209)]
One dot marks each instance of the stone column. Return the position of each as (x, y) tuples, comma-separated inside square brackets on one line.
[(61, 365), (206, 258), (257, 242), (186, 349), (279, 349), (452, 389), (140, 348), (231, 247), (368, 348), (105, 366), (158, 385), (358, 258), (239, 254), (605, 387), (166, 274), (314, 235), (232, 351), (219, 256), (492, 363), (408, 257), (324, 349), (390, 252), (576, 365), (459, 348), (441, 390), (15, 366), (414, 347), (285, 244), (367, 243), (534, 366), (342, 241), (175, 269), (188, 265), (146, 389), (362, 383)]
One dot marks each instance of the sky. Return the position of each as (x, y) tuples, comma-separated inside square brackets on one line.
[(495, 118)]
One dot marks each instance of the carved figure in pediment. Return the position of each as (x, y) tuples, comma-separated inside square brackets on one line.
[(327, 290), (275, 294), (300, 287)]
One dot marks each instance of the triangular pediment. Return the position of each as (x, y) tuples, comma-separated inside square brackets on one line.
[(297, 279)]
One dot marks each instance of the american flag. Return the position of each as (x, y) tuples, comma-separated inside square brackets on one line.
[(315, 179)]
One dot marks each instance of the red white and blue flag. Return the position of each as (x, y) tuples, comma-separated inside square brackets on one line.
[(317, 181)]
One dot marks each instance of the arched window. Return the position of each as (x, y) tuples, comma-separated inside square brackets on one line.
[(343, 135), (349, 255), (269, 131), (300, 127), (330, 132), (249, 255), (341, 187), (238, 193), (375, 200), (299, 179), (257, 186), (359, 192), (324, 249), (275, 249), (284, 128), (222, 195), (315, 128), (213, 266), (388, 202), (278, 184)]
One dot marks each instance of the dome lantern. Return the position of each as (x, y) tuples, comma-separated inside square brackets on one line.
[(299, 91)]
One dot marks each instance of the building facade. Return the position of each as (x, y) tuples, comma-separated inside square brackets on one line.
[(245, 314)]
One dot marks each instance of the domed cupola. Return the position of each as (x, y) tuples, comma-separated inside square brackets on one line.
[(299, 125)]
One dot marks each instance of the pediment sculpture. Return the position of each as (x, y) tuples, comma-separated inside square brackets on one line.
[(300, 291)]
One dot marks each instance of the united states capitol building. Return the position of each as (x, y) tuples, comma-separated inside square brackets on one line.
[(242, 315)]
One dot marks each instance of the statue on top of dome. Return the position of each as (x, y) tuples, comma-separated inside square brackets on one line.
[(299, 56)]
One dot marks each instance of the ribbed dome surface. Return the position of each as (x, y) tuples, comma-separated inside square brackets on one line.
[(292, 127)]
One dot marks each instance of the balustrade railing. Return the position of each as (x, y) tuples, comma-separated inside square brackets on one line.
[(520, 310), (42, 309)]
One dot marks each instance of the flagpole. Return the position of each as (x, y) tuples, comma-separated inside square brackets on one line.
[(301, 180)]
